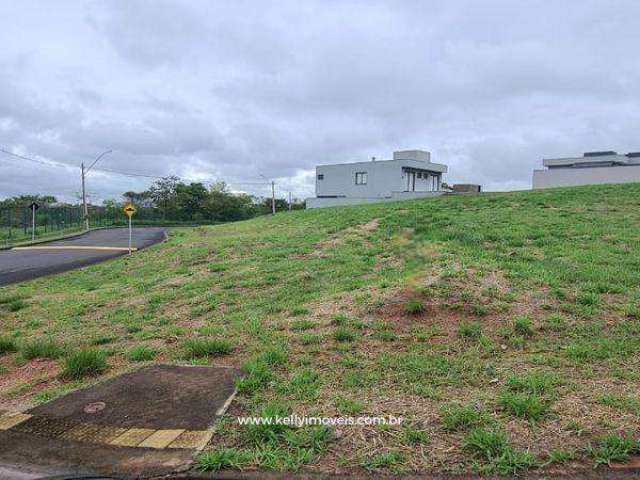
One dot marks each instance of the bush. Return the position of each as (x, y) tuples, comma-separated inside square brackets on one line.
[(142, 353), (84, 363), (206, 347), (42, 348)]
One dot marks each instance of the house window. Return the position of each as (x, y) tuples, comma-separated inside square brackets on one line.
[(361, 178), (321, 176), (419, 174)]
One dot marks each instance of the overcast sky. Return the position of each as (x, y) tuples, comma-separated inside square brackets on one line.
[(233, 90)]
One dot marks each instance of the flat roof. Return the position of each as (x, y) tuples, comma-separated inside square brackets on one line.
[(419, 164)]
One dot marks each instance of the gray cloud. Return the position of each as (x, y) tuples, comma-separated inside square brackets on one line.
[(209, 90)]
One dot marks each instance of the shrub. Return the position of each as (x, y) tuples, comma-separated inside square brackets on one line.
[(414, 307), (7, 345), (142, 353), (42, 348), (84, 363), (206, 347)]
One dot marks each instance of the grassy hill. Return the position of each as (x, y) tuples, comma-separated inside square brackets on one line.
[(503, 328)]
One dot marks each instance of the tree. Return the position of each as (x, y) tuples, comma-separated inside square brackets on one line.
[(163, 193), (190, 201)]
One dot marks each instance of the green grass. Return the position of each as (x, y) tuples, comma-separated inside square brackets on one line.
[(7, 345), (508, 305), (414, 307), (207, 347), (142, 353), (42, 348), (612, 449), (529, 406), (457, 417), (470, 330), (84, 363)]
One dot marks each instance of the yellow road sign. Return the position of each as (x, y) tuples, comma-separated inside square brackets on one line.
[(129, 210)]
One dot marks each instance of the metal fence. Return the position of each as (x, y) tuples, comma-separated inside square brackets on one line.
[(52, 221)]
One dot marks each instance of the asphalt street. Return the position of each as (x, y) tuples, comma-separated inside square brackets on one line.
[(19, 265)]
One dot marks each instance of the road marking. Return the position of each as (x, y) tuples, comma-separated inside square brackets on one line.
[(76, 247)]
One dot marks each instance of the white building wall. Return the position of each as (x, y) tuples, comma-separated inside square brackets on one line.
[(571, 177), (382, 179)]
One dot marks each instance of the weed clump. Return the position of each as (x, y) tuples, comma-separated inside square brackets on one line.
[(206, 347), (42, 348), (84, 363)]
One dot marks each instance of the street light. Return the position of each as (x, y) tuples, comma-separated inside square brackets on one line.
[(273, 194), (84, 193)]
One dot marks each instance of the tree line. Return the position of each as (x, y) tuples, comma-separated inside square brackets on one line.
[(177, 201)]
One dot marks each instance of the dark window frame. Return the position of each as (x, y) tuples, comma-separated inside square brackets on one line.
[(362, 178)]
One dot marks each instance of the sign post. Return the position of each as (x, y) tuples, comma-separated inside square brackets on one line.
[(129, 210), (34, 206)]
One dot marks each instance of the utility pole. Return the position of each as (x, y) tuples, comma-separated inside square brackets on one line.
[(85, 207), (289, 201), (273, 197)]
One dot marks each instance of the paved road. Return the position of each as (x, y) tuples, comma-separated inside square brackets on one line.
[(21, 265)]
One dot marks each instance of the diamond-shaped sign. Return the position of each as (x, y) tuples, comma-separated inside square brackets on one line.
[(130, 210)]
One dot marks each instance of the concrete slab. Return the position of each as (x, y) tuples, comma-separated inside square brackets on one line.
[(149, 422), (159, 397)]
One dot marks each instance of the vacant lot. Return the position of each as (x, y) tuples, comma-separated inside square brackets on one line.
[(503, 328)]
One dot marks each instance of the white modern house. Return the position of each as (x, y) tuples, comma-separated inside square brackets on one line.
[(590, 169), (409, 175)]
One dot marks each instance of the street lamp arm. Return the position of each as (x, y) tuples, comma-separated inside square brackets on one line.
[(96, 160)]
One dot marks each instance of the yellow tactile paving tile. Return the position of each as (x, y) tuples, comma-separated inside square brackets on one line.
[(10, 420), (93, 433), (193, 439), (132, 437), (160, 438)]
